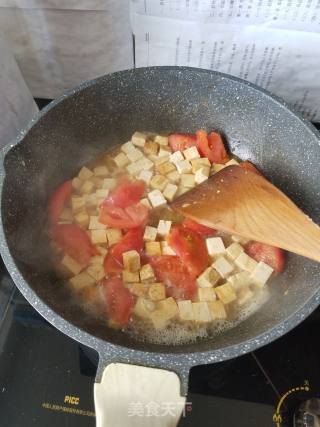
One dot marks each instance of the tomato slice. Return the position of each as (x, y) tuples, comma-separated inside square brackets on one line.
[(212, 147), (127, 193), (190, 247), (131, 217), (180, 141), (75, 242), (58, 201), (119, 300), (173, 273), (271, 255), (203, 230), (250, 167)]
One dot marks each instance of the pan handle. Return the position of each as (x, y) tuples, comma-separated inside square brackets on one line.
[(136, 396)]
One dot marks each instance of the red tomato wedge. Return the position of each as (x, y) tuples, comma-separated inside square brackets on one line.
[(212, 147), (180, 141), (58, 201), (173, 273), (74, 242), (250, 167), (190, 247), (127, 193), (119, 300), (131, 217), (275, 257), (199, 228)]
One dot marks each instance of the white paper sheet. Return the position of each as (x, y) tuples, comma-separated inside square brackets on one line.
[(285, 61)]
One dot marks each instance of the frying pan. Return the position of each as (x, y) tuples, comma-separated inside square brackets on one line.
[(102, 113)]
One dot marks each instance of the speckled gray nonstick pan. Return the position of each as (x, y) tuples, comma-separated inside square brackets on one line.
[(104, 112)]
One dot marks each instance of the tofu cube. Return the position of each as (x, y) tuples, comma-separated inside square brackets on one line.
[(66, 215), (81, 281), (77, 204), (121, 160), (226, 293), (156, 198), (161, 140), (183, 166), (101, 171), (160, 160), (185, 310), (166, 249), (134, 154), (143, 308), (215, 246), (206, 294), (223, 267), (170, 191), (232, 162), (208, 278), (199, 163), (131, 260), (138, 289), (169, 307), (150, 234), (139, 139), (164, 151), (142, 164), (109, 183), (102, 193), (91, 200), (145, 176), (157, 291), (187, 180), (191, 153), (96, 181), (239, 239), (174, 176), (261, 274), (240, 280), (130, 276), (245, 295), (98, 236), (94, 224), (98, 259), (234, 250), (164, 227), (217, 168), (82, 219), (153, 248), (201, 312), (159, 182), (127, 147), (151, 147), (145, 202), (77, 183), (102, 251), (146, 273), (245, 262), (114, 235), (201, 175), (176, 157), (181, 190), (85, 173), (96, 271), (71, 265), (217, 310), (166, 168)]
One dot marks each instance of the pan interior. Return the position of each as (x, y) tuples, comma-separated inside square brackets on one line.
[(106, 113)]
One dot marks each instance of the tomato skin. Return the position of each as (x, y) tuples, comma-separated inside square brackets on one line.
[(58, 201), (271, 255), (127, 193), (170, 270), (190, 247), (75, 242), (199, 228), (130, 217), (212, 147), (250, 167), (180, 141), (119, 300)]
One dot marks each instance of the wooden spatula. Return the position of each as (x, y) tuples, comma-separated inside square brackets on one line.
[(241, 202)]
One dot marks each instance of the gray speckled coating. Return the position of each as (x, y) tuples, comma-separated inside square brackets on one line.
[(106, 111)]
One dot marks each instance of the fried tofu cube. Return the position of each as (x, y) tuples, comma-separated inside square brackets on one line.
[(240, 280), (157, 291), (201, 175), (261, 274), (166, 168), (174, 176), (217, 168), (206, 294), (169, 307), (187, 180), (127, 147), (215, 246), (145, 202), (98, 259), (181, 190), (160, 160), (96, 271), (166, 249), (101, 171), (109, 183), (94, 224), (85, 173), (102, 193), (77, 183), (145, 176), (77, 204), (239, 239), (91, 200), (71, 265), (170, 191), (176, 157), (164, 151), (208, 278), (184, 166), (153, 248), (139, 139), (245, 262), (201, 312), (146, 273), (191, 153), (138, 289), (121, 160), (130, 276), (142, 164), (234, 250), (185, 310), (226, 293), (131, 260), (151, 147), (102, 250), (156, 198), (98, 236), (66, 215), (164, 227), (134, 154), (150, 234), (96, 181), (223, 267), (81, 280), (161, 140), (143, 308), (114, 235), (245, 295), (159, 182), (199, 163), (217, 310), (232, 162), (82, 219)]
